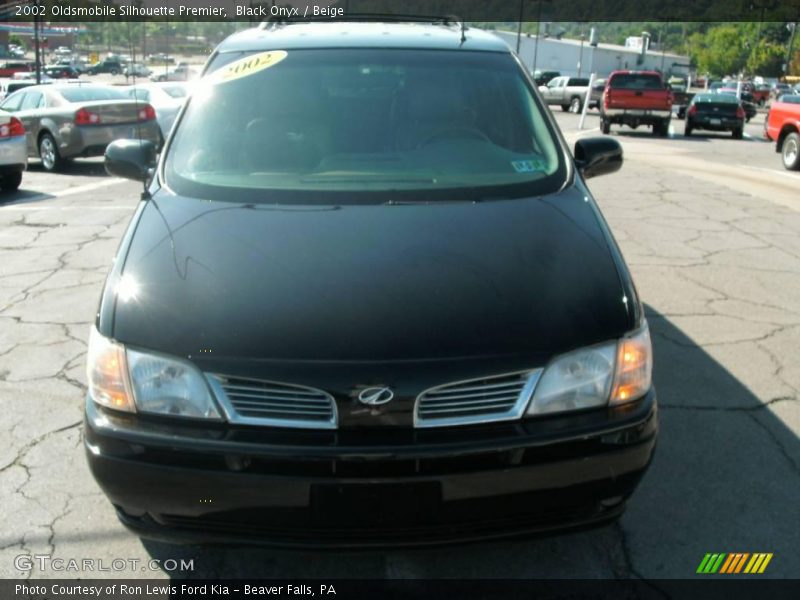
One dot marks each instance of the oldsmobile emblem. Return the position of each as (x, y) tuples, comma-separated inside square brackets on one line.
[(375, 396)]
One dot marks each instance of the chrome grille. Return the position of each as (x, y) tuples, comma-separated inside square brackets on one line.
[(261, 402), (495, 398)]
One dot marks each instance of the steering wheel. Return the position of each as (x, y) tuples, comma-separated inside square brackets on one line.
[(455, 132)]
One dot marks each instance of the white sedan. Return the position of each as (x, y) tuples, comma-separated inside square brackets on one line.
[(13, 152), (166, 98)]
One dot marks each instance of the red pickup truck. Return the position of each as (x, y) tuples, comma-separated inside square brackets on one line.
[(636, 98), (783, 127)]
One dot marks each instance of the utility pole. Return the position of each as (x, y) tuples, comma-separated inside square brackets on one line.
[(789, 54), (37, 51), (519, 25)]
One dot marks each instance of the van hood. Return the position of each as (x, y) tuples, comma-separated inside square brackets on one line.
[(507, 282)]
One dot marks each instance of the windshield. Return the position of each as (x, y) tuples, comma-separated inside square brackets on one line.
[(88, 94), (364, 125)]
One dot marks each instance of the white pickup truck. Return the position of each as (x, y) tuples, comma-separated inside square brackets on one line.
[(568, 92)]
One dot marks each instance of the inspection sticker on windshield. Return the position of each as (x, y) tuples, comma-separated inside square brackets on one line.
[(527, 166), (247, 66)]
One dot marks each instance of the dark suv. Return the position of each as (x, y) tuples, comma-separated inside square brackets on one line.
[(378, 306), (109, 65)]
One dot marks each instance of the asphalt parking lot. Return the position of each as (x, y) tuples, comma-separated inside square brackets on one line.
[(710, 227)]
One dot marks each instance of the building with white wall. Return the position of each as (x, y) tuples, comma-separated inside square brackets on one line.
[(574, 57)]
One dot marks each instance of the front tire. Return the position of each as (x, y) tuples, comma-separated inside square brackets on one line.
[(48, 153), (575, 106), (10, 183), (605, 126), (790, 152)]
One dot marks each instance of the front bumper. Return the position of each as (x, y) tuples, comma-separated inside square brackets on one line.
[(366, 488)]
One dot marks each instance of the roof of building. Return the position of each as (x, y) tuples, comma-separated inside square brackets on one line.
[(601, 45), (359, 34)]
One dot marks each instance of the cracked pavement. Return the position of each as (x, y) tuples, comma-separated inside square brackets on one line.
[(711, 230)]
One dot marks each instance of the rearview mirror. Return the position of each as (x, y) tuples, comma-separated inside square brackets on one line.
[(598, 156), (131, 159)]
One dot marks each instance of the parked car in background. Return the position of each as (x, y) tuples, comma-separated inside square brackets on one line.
[(783, 128), (136, 70), (75, 63), (13, 152), (761, 94), (715, 112), (377, 376), (745, 98), (16, 51), (636, 98), (31, 76), (161, 58), (9, 86), (544, 77), (61, 72), (64, 120), (677, 84), (109, 65), (166, 98), (597, 93), (567, 92), (179, 73), (781, 88), (8, 68)]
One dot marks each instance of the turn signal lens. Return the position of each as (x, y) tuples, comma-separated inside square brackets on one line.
[(634, 369), (107, 373)]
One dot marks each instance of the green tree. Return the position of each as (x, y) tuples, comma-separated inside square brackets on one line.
[(720, 51)]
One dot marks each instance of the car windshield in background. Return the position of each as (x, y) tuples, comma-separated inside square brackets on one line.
[(721, 98), (636, 81), (89, 94), (365, 126)]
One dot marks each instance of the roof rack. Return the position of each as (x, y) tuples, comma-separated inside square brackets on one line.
[(376, 17)]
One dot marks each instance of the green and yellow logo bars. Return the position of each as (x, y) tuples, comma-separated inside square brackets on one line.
[(741, 562)]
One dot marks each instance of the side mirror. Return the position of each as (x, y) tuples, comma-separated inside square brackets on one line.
[(598, 156), (131, 159)]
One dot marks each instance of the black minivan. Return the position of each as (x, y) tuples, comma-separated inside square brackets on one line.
[(367, 299)]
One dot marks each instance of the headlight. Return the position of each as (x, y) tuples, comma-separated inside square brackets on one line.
[(607, 374), (169, 386), (580, 379), (133, 380)]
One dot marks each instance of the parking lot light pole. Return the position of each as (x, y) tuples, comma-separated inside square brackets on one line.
[(36, 50), (593, 43)]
